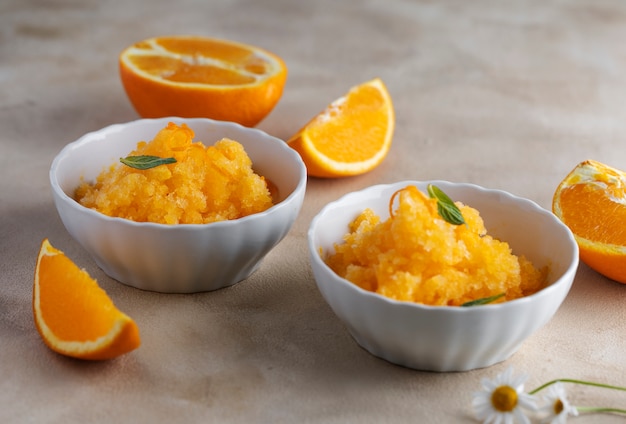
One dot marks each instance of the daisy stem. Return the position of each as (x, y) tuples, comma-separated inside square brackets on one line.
[(599, 409), (568, 380)]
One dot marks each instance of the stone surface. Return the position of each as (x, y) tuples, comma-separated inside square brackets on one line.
[(508, 95)]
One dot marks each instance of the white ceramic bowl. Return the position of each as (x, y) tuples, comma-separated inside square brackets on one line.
[(182, 258), (440, 338)]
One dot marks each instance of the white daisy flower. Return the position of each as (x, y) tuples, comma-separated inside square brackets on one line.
[(502, 400), (557, 406)]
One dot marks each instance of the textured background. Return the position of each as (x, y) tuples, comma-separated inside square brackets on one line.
[(508, 95)]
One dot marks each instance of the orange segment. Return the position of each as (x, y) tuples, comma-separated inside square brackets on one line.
[(191, 77), (351, 136), (73, 315), (591, 201)]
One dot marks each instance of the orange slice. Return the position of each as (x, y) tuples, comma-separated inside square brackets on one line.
[(197, 77), (591, 201), (351, 136), (73, 315)]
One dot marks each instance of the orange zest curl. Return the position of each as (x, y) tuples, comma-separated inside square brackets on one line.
[(392, 199)]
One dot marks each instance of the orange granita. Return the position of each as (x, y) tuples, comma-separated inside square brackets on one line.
[(205, 184), (418, 256)]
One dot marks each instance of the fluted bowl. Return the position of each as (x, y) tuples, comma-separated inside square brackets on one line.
[(183, 258), (447, 338)]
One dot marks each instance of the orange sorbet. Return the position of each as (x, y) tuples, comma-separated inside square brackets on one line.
[(416, 255), (204, 185)]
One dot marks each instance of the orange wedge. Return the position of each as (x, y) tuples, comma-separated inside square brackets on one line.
[(73, 315), (198, 77), (351, 136), (591, 201)]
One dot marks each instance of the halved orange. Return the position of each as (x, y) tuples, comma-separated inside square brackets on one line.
[(199, 77), (591, 201), (73, 315), (351, 136)]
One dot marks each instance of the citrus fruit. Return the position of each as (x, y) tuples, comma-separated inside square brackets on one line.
[(73, 315), (351, 136), (591, 201), (198, 77)]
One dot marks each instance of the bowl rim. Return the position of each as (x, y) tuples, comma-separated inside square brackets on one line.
[(91, 136), (562, 279)]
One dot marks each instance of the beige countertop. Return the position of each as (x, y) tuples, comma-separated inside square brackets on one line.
[(509, 95)]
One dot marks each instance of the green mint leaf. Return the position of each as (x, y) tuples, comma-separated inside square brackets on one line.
[(445, 206), (145, 162), (483, 301)]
